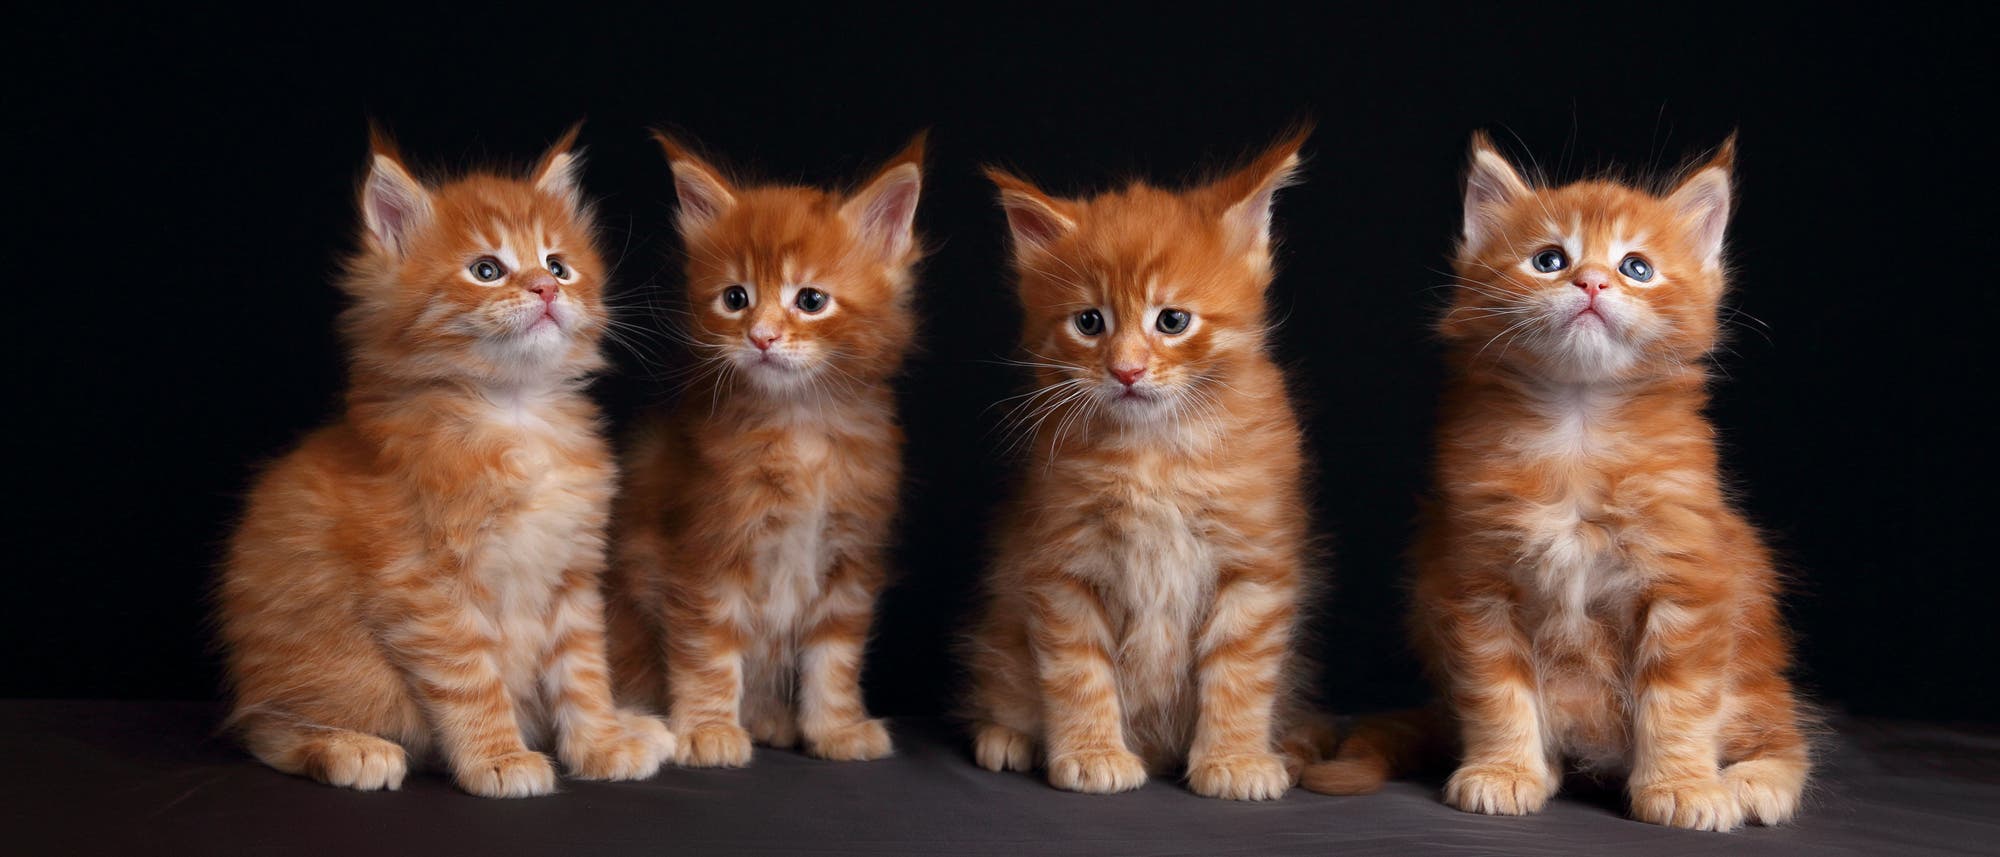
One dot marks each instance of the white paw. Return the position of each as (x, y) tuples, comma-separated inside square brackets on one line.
[(998, 748), (519, 774), (855, 742), (1498, 790), (1240, 776), (1097, 770), (1702, 804)]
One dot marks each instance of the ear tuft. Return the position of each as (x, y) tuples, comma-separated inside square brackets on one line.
[(883, 212), (1491, 185), (1702, 200), (1249, 193), (1035, 219), (559, 173), (703, 193), (394, 205)]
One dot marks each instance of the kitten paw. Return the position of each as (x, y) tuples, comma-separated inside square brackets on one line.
[(361, 762), (1097, 771), (631, 750), (1240, 776), (714, 745), (999, 748), (1767, 790), (855, 742), (1497, 790), (524, 773), (1705, 804)]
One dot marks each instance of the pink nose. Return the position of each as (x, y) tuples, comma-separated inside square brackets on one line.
[(544, 286), (763, 341), (1128, 375), (1592, 281)]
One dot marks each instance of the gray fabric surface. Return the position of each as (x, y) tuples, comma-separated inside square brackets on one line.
[(151, 778)]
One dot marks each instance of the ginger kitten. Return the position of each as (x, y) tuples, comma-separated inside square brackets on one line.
[(1142, 608), (1585, 591), (422, 575), (753, 532)]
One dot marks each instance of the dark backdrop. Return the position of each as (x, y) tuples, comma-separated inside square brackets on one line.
[(183, 186)]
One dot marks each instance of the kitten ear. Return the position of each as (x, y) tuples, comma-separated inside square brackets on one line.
[(1036, 219), (1491, 185), (1702, 199), (560, 171), (704, 194), (1249, 192), (393, 203), (883, 212)]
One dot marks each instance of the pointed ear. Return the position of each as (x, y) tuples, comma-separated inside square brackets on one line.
[(883, 212), (394, 205), (1491, 185), (1036, 219), (704, 194), (1247, 194), (1702, 200), (560, 171)]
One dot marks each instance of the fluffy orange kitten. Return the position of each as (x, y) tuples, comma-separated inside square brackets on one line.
[(1142, 608), (422, 575), (1585, 591), (752, 535)]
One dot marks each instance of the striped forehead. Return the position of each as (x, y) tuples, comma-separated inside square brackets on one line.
[(1595, 234), (515, 241)]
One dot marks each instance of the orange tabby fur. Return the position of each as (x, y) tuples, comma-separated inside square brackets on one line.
[(1142, 609), (1584, 589), (423, 573), (752, 536)]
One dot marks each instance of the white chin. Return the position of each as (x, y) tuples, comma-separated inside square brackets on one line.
[(1589, 351), (776, 378)]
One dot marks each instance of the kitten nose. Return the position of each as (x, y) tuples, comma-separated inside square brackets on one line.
[(543, 285), (763, 337), (1592, 281), (1128, 375)]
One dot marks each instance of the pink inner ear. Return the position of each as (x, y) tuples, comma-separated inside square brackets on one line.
[(1033, 224), (888, 216), (699, 199), (392, 209)]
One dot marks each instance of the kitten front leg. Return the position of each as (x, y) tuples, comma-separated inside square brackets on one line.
[(438, 643), (705, 677), (1507, 767), (1085, 728), (1682, 656), (1241, 655), (832, 717), (594, 740)]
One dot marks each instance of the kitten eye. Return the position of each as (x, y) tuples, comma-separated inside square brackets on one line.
[(487, 269), (1550, 261), (1173, 321), (735, 298), (1636, 268), (557, 268), (810, 301), (1090, 322)]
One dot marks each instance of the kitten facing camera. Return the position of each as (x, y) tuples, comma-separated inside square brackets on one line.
[(1143, 605), (753, 533), (420, 577)]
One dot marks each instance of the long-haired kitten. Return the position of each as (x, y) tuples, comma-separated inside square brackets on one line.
[(1142, 607), (752, 534), (1585, 591), (422, 575)]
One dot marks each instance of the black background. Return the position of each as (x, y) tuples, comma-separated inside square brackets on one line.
[(185, 189)]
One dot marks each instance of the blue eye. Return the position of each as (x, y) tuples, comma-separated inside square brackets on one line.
[(1636, 268), (1550, 261), (1173, 321), (1090, 322)]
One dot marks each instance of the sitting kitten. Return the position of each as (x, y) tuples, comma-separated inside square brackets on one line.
[(1142, 609), (422, 574), (752, 534), (1584, 589)]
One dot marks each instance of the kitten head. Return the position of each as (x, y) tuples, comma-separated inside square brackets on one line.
[(486, 277), (1139, 302), (797, 289), (1592, 281)]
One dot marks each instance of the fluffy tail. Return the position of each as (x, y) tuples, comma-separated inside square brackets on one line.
[(1377, 749)]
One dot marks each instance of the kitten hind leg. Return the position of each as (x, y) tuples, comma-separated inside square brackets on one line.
[(1766, 765), (999, 748), (331, 755)]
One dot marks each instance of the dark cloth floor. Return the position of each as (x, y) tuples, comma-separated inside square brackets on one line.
[(133, 778)]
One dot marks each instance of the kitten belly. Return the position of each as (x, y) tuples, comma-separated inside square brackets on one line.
[(1578, 621), (789, 579), (520, 567), (1158, 577)]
